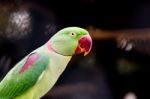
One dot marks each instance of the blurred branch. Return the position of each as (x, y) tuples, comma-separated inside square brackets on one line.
[(99, 34)]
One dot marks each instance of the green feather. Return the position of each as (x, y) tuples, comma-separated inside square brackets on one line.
[(14, 84)]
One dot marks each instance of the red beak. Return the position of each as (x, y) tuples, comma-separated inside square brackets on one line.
[(85, 45)]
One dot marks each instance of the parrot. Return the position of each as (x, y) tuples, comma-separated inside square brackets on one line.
[(36, 73)]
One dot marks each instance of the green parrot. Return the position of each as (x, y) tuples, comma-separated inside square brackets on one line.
[(36, 73)]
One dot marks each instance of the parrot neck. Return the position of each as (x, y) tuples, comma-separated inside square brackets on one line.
[(51, 49), (48, 45)]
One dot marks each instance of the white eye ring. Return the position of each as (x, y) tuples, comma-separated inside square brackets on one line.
[(72, 34)]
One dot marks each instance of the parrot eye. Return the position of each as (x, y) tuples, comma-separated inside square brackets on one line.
[(72, 34)]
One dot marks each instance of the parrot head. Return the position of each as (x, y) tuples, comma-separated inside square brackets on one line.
[(70, 41)]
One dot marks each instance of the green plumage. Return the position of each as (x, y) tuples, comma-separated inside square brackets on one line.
[(16, 83)]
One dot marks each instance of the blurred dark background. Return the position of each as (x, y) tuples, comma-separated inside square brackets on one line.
[(108, 72)]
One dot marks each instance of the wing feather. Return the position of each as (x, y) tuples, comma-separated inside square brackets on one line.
[(21, 78)]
